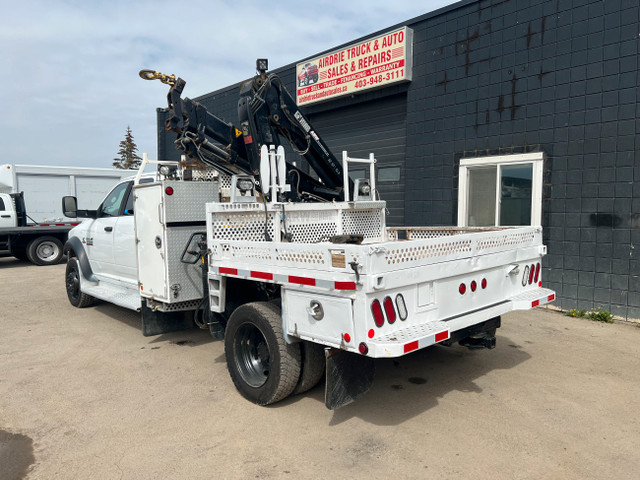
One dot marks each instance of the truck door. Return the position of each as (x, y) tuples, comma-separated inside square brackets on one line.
[(102, 233), (124, 244), (7, 212)]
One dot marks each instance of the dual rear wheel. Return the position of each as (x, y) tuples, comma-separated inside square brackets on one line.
[(263, 366)]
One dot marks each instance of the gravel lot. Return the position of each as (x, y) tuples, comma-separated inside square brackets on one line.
[(84, 395)]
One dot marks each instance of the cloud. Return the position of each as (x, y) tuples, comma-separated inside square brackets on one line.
[(71, 84)]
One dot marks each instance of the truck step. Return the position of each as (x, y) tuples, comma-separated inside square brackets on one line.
[(533, 298), (409, 339), (116, 294)]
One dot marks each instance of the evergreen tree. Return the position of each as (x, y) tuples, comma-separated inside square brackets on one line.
[(128, 152)]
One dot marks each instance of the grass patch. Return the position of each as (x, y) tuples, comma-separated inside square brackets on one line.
[(598, 315)]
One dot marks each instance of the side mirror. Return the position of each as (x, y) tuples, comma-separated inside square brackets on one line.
[(70, 207)]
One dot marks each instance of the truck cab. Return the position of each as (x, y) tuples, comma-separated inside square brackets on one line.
[(8, 217), (103, 248)]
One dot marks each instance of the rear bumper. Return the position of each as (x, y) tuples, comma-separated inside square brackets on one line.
[(421, 336)]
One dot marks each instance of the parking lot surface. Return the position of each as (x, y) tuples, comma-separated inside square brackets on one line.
[(84, 395)]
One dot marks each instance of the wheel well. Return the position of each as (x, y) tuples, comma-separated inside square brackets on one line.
[(240, 291)]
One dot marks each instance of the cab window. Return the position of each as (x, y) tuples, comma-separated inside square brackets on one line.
[(128, 208), (111, 207)]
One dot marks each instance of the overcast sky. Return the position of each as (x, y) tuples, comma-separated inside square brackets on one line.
[(70, 82)]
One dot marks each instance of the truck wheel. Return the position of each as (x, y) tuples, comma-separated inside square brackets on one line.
[(72, 282), (45, 251), (263, 367), (313, 363)]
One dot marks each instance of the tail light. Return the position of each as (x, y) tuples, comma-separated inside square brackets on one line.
[(484, 283), (537, 274), (532, 270), (389, 310), (168, 190), (474, 286), (402, 307), (378, 316), (462, 289)]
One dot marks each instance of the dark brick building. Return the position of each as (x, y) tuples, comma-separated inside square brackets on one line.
[(554, 79)]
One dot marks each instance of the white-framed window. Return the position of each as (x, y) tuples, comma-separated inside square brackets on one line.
[(503, 190)]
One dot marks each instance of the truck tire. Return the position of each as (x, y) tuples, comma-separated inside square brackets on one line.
[(45, 251), (263, 367), (72, 283), (313, 365)]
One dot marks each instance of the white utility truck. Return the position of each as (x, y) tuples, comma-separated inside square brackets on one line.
[(299, 276), (32, 225)]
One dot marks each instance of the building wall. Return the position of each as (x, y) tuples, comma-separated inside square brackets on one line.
[(506, 76)]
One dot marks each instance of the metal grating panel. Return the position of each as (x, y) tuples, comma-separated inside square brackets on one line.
[(511, 240), (249, 226), (423, 252), (364, 222)]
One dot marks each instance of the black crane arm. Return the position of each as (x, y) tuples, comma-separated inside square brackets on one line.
[(266, 112)]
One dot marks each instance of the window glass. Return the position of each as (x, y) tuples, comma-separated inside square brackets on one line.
[(482, 197), (389, 174), (113, 202), (2, 204), (128, 208), (515, 194)]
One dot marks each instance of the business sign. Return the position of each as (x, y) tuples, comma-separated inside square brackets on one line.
[(374, 63)]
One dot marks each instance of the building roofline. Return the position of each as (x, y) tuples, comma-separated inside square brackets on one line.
[(408, 23)]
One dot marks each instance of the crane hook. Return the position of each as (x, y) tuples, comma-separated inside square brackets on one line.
[(153, 75)]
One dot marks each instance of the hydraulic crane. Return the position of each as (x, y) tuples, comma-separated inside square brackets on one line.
[(266, 113)]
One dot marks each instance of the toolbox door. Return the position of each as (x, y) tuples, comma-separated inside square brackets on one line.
[(150, 240)]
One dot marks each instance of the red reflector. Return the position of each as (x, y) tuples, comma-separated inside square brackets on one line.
[(474, 286), (539, 284), (378, 317), (345, 285), (302, 280), (347, 337), (410, 347), (262, 275), (371, 333), (537, 275), (551, 297), (168, 190), (484, 283), (363, 349), (535, 303), (442, 336), (389, 310), (228, 271), (462, 289), (531, 273)]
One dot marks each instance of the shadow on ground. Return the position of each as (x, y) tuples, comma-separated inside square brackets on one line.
[(415, 383)]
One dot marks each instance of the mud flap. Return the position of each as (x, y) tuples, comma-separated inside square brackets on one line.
[(349, 376), (155, 323)]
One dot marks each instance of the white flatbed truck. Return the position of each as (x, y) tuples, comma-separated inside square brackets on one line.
[(297, 289)]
